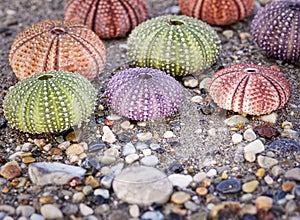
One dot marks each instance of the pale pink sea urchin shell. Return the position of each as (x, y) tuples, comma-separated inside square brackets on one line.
[(250, 89)]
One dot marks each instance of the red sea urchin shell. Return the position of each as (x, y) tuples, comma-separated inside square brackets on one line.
[(217, 12), (108, 18), (276, 29), (57, 45), (144, 94), (250, 89)]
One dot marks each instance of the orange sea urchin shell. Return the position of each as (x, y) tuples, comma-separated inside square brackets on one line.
[(57, 45), (108, 18), (217, 12), (250, 89)]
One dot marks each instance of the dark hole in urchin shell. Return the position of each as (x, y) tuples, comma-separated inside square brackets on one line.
[(294, 6), (251, 70), (58, 30), (145, 76), (45, 77), (175, 22)]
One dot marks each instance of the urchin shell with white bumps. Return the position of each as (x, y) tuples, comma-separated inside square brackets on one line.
[(49, 102), (108, 18), (57, 45), (218, 12), (144, 94), (178, 45), (249, 88), (276, 29)]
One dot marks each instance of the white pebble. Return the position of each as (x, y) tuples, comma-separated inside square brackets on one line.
[(249, 135), (85, 210), (131, 158), (236, 138), (169, 134)]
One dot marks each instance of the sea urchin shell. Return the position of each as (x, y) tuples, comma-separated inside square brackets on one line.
[(108, 18), (276, 29), (143, 94), (57, 45), (178, 45), (217, 12), (49, 102), (250, 89)]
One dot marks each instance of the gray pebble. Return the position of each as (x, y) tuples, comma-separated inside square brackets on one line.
[(69, 209), (101, 209), (85, 210), (128, 149), (144, 136), (50, 211), (25, 210), (277, 171), (180, 180), (266, 162), (87, 190), (150, 160), (249, 135), (152, 215), (36, 216), (107, 180), (235, 120), (7, 209), (229, 186), (293, 173), (78, 197)]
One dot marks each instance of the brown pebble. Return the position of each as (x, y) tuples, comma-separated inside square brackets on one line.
[(5, 190), (244, 35), (56, 151), (266, 131), (179, 211), (74, 136), (40, 142), (27, 154), (202, 191), (226, 208), (224, 176), (191, 170), (47, 200), (10, 170), (264, 203), (28, 160), (74, 149), (91, 181), (260, 173), (14, 183), (287, 186), (206, 182), (180, 197)]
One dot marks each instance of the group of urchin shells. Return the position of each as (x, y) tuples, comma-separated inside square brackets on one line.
[(55, 59)]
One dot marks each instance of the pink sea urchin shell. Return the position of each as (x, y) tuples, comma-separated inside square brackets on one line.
[(144, 94), (250, 89)]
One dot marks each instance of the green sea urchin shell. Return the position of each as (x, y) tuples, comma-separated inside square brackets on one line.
[(49, 102), (178, 45)]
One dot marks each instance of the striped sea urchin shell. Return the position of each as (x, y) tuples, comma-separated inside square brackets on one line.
[(57, 45), (250, 89), (178, 45), (49, 102), (108, 18), (144, 94), (276, 29), (217, 12)]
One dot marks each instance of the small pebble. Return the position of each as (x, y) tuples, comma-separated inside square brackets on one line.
[(152, 215), (228, 33), (244, 35), (250, 156), (247, 197), (50, 211), (7, 209), (249, 135), (125, 125), (147, 152), (287, 186), (197, 99), (255, 146), (236, 138), (235, 120), (293, 173), (108, 135), (290, 206), (169, 134), (25, 210), (250, 186), (199, 177), (277, 171), (134, 211), (150, 160), (128, 149), (202, 191), (36, 216), (78, 197), (144, 136), (102, 192), (190, 206), (268, 180), (180, 180), (264, 203), (10, 170), (266, 162), (270, 118), (260, 173), (74, 136), (74, 149), (190, 82), (229, 186), (85, 210), (106, 181), (180, 197), (131, 158), (211, 173)]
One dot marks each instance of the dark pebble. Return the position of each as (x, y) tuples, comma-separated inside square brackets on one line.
[(280, 195), (99, 200), (266, 131), (160, 150), (249, 217), (69, 209), (124, 138), (3, 123), (284, 145), (296, 192), (176, 167), (229, 186), (96, 146), (90, 164), (175, 216)]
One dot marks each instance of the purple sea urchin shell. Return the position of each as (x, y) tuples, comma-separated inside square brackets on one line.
[(250, 89), (143, 94), (276, 29)]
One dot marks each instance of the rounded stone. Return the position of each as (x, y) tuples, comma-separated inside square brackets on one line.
[(264, 203), (142, 185), (237, 138), (250, 187), (50, 211), (266, 162), (180, 180), (229, 186), (180, 197), (249, 135), (255, 147)]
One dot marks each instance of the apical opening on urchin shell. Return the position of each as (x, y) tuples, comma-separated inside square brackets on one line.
[(294, 6), (251, 70), (58, 30), (45, 77), (175, 22), (145, 76)]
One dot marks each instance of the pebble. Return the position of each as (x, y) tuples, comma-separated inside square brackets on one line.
[(247, 197), (287, 186), (150, 160), (255, 146), (131, 158), (250, 156), (85, 210), (91, 181), (270, 118), (155, 147), (260, 173), (142, 185), (249, 135), (78, 197), (25, 210), (7, 209), (202, 191), (211, 173), (290, 206), (75, 149), (229, 186), (50, 211), (244, 35), (125, 125), (169, 134), (147, 152), (284, 146), (236, 120), (102, 192), (74, 136), (180, 180), (114, 117), (212, 132), (36, 216), (10, 170), (227, 207), (190, 82), (250, 186), (145, 136), (296, 192), (236, 138), (107, 180), (180, 197), (87, 190), (152, 215), (264, 203), (108, 135), (266, 131), (134, 211), (140, 146), (266, 162), (277, 171), (197, 99), (128, 149), (43, 173), (199, 177), (108, 159), (204, 83), (269, 180), (228, 33), (293, 173)]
